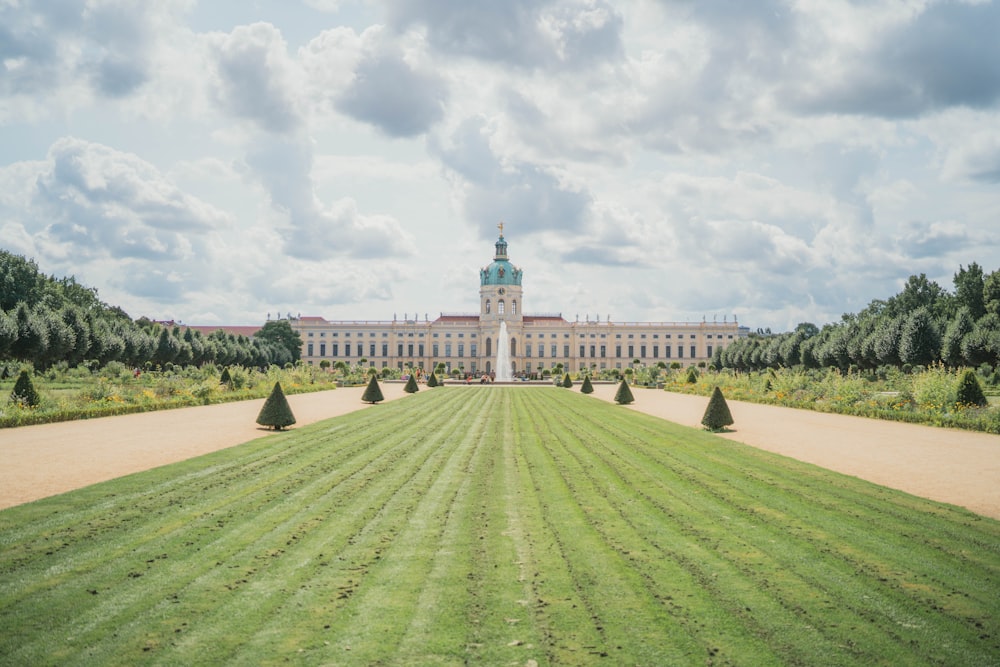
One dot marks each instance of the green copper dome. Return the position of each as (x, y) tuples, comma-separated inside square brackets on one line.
[(501, 271)]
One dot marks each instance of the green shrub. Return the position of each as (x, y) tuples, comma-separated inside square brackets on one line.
[(226, 378), (586, 387), (276, 412), (373, 393), (24, 391), (692, 375), (717, 415), (624, 395), (432, 381), (411, 385), (969, 391), (567, 381)]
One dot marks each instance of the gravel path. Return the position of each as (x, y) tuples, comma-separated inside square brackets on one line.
[(956, 467)]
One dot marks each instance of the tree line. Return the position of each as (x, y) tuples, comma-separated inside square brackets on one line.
[(922, 325), (46, 320)]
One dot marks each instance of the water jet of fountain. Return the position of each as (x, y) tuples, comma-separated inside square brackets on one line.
[(503, 355)]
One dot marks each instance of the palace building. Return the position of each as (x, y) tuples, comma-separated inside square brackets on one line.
[(469, 341)]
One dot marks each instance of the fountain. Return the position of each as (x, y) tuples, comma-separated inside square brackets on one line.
[(503, 355)]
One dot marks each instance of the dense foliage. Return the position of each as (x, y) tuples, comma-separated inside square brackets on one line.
[(373, 392), (922, 325), (46, 320), (276, 412), (411, 385), (587, 387), (24, 391), (717, 415), (624, 395)]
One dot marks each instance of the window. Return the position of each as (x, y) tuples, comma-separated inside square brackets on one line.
[(385, 349), (566, 351), (489, 348), (371, 350), (409, 349), (447, 349), (553, 350), (333, 350), (656, 351), (461, 349), (583, 350), (420, 350), (593, 351), (709, 352), (322, 349), (309, 352), (666, 351), (434, 349), (310, 334), (513, 307), (527, 349), (618, 351), (642, 351), (631, 351), (488, 304), (347, 349), (500, 307), (693, 355), (604, 350), (680, 351), (541, 349), (472, 350), (399, 350)]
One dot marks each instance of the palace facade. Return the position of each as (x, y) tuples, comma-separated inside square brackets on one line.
[(468, 341)]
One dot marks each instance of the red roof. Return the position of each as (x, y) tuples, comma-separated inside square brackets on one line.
[(248, 330), (458, 318), (544, 318)]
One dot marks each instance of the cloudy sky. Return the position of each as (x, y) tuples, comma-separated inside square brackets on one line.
[(653, 160)]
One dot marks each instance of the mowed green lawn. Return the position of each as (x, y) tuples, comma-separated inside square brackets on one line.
[(496, 526)]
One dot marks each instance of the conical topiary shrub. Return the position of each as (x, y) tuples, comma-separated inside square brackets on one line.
[(373, 392), (5, 373), (411, 385), (567, 381), (717, 415), (24, 391), (970, 392), (226, 378), (624, 395), (586, 387), (432, 381), (276, 412), (692, 376)]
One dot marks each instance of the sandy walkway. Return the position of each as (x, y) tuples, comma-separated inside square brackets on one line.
[(40, 461), (950, 466)]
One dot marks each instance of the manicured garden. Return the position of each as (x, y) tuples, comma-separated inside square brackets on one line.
[(496, 526), (930, 396), (115, 389)]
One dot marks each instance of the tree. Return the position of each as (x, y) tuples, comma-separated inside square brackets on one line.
[(717, 415), (411, 385), (586, 387), (970, 392), (373, 393), (692, 376), (20, 281), (226, 378), (951, 343), (276, 412), (969, 290), (624, 395), (567, 381), (432, 381), (281, 334), (24, 391), (920, 340), (991, 293)]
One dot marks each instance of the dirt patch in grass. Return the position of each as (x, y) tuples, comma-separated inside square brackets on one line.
[(957, 467)]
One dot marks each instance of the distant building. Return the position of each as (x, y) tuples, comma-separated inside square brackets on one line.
[(468, 341)]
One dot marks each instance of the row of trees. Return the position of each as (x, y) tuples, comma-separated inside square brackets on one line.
[(922, 325), (45, 321)]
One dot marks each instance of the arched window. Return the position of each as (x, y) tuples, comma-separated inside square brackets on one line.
[(513, 347), (500, 308), (489, 347), (513, 307), (488, 305)]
